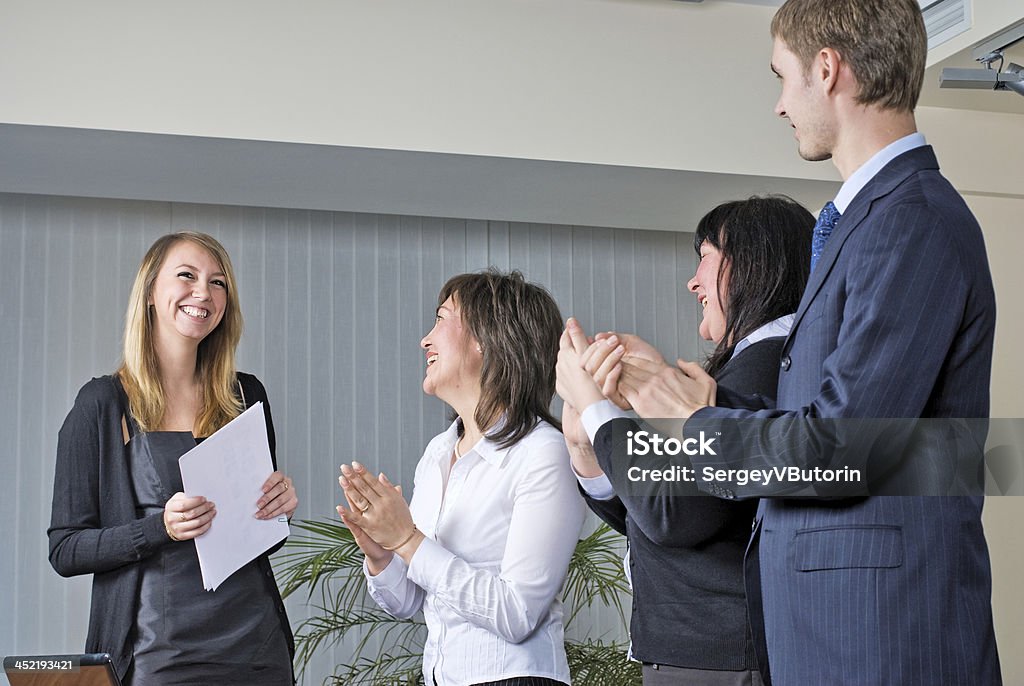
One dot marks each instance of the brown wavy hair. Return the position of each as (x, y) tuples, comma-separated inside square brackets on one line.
[(517, 325)]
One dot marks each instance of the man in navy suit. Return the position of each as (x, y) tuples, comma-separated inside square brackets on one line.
[(897, 321)]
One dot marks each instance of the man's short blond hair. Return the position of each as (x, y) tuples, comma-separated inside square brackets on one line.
[(883, 41)]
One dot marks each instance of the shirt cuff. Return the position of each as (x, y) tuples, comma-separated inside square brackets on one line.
[(429, 564), (599, 413), (390, 578), (597, 487)]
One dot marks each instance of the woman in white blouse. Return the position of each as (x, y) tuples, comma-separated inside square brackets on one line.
[(484, 546)]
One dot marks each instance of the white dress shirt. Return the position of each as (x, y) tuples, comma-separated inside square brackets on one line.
[(489, 573), (867, 171)]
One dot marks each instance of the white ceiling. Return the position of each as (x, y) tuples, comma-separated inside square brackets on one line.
[(86, 162)]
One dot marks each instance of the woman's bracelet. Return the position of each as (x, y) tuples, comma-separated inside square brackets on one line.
[(404, 541), (169, 534)]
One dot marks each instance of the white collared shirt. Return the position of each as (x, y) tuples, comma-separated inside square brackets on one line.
[(489, 573), (597, 414), (865, 172)]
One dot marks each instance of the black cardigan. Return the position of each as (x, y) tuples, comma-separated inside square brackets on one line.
[(93, 524), (686, 552)]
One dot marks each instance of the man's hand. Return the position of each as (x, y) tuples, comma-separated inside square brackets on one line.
[(600, 362), (635, 346), (659, 391)]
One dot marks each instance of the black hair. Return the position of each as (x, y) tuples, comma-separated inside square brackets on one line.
[(766, 248)]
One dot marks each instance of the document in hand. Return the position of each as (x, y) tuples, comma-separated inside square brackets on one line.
[(229, 468)]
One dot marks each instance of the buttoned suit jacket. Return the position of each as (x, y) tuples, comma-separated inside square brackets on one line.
[(897, 320)]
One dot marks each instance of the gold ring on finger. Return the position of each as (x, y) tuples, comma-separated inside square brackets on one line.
[(184, 517), (364, 508)]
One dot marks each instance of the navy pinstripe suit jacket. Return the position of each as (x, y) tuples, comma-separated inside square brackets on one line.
[(897, 320)]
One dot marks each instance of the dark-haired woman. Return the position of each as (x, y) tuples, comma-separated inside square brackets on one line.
[(484, 546), (690, 622), (119, 511)]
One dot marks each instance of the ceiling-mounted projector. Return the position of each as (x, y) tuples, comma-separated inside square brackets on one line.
[(1010, 77)]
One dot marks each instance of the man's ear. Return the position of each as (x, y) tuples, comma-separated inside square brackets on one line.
[(825, 70)]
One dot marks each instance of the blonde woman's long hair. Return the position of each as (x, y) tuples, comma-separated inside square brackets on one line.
[(215, 362)]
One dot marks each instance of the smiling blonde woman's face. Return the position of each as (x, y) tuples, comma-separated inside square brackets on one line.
[(189, 295)]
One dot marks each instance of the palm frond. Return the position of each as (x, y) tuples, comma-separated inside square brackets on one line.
[(596, 573), (313, 560), (399, 667), (329, 626), (593, 663)]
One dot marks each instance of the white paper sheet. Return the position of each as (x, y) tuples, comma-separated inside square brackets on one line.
[(230, 468)]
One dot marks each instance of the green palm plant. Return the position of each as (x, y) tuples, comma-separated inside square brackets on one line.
[(326, 562)]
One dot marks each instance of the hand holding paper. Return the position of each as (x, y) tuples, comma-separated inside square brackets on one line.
[(230, 468), (278, 498)]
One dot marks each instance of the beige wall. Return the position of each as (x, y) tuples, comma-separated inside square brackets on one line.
[(1000, 218), (1002, 520), (574, 80), (640, 83), (979, 152)]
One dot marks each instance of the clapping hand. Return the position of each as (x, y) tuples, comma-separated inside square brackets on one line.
[(378, 511), (377, 558), (573, 383), (602, 359)]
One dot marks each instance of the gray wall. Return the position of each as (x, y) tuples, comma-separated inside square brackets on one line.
[(335, 305)]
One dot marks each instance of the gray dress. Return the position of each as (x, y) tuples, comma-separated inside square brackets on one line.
[(184, 634)]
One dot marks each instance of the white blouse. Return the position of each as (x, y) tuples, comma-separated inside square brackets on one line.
[(489, 574)]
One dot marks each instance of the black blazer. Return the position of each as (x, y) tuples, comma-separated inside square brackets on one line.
[(686, 552)]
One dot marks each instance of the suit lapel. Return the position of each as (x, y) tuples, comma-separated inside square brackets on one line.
[(881, 185)]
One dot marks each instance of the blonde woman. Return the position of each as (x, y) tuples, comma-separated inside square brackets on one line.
[(119, 512)]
